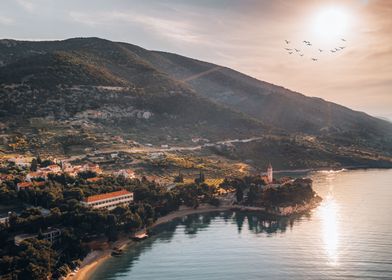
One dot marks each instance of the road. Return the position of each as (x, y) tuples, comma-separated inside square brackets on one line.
[(146, 149)]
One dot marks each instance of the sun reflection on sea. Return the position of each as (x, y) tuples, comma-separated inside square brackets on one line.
[(330, 229)]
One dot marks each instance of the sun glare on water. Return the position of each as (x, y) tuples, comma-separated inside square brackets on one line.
[(328, 212)]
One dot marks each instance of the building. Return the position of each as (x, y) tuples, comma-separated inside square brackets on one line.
[(94, 180), (23, 185), (36, 175), (51, 235), (92, 167), (74, 170), (109, 200), (20, 161), (270, 175), (53, 168), (27, 185), (127, 173)]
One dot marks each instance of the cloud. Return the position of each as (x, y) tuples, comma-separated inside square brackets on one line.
[(26, 4), (174, 29), (6, 20)]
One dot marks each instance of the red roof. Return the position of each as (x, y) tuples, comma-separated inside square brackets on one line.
[(25, 184), (106, 195), (93, 180)]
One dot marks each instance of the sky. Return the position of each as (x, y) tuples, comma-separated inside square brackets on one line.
[(247, 35)]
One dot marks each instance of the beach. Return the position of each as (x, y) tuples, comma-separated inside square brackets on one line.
[(92, 261), (97, 257)]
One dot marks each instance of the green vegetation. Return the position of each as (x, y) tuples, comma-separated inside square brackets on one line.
[(62, 194), (253, 191)]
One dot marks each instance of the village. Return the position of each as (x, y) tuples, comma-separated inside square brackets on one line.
[(58, 201)]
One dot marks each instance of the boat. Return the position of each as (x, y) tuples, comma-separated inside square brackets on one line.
[(117, 252), (140, 235)]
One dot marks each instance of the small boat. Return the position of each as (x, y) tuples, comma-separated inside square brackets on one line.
[(140, 235), (116, 252)]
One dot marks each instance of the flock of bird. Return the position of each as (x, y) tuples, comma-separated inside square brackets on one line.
[(293, 50)]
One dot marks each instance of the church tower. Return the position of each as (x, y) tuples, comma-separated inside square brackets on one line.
[(270, 175)]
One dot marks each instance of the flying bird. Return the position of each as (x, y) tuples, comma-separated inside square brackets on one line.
[(320, 50), (314, 59), (342, 48), (297, 50), (309, 44), (301, 54), (290, 52), (287, 42), (332, 51), (287, 49), (344, 40)]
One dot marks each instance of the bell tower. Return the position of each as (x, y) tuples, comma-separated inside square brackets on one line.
[(270, 174)]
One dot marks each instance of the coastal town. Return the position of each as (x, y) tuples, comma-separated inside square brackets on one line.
[(65, 211)]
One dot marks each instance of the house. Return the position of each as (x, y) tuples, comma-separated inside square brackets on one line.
[(92, 167), (23, 186), (20, 161), (36, 175), (109, 200), (26, 185), (72, 170), (51, 235), (6, 177), (53, 168), (93, 180)]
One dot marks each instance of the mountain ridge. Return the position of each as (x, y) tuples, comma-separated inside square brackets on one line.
[(105, 87)]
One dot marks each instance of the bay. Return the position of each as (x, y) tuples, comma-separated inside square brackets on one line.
[(349, 236)]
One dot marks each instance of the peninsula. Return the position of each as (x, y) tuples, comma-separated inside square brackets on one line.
[(71, 215)]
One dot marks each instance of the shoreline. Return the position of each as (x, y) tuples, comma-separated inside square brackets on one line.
[(95, 258)]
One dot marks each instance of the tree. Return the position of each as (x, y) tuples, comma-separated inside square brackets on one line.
[(34, 165), (239, 194), (36, 259), (179, 178), (200, 179), (39, 160), (87, 174)]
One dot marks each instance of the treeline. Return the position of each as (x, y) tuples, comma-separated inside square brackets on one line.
[(253, 191), (62, 195)]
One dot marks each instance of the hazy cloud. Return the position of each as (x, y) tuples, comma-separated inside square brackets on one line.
[(26, 4), (6, 20)]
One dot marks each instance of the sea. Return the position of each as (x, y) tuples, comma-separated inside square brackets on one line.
[(349, 236)]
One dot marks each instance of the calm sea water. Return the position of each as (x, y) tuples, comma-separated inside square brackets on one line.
[(348, 237)]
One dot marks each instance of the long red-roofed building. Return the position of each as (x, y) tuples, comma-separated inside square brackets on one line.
[(109, 200)]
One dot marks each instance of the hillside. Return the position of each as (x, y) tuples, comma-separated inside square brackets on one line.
[(65, 96), (280, 107)]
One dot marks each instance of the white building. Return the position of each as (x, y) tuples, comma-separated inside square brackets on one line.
[(270, 175), (109, 200)]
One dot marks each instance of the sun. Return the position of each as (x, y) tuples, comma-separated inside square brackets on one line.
[(331, 23)]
